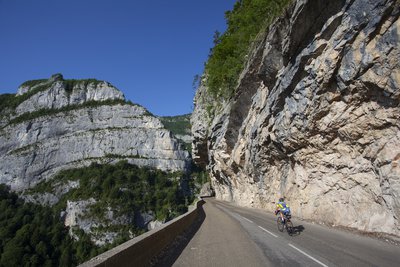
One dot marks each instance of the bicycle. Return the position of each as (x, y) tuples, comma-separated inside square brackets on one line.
[(287, 223)]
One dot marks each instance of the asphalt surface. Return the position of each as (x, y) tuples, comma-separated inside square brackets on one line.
[(235, 236), (220, 241)]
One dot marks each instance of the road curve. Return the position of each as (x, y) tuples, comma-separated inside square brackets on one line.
[(220, 241), (237, 236)]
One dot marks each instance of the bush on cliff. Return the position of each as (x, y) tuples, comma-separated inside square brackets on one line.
[(125, 188), (178, 125), (227, 58)]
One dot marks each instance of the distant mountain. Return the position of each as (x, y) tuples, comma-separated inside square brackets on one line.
[(57, 124), (107, 168)]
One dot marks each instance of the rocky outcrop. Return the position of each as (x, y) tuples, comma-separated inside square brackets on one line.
[(200, 126), (59, 93), (315, 118), (74, 123), (77, 214), (206, 190), (179, 126)]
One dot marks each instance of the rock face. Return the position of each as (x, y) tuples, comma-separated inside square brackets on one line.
[(179, 126), (60, 94), (80, 122), (206, 190), (315, 118), (76, 215)]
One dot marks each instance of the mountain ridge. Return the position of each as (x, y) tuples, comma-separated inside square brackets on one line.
[(89, 114)]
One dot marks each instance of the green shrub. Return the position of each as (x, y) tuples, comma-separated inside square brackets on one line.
[(124, 187), (177, 124), (33, 83), (198, 178), (227, 58), (9, 102), (6, 102), (32, 235), (47, 111)]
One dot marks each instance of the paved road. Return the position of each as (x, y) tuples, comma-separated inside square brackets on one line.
[(236, 236)]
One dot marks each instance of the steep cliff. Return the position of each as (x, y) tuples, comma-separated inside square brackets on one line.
[(76, 146), (57, 124), (315, 117)]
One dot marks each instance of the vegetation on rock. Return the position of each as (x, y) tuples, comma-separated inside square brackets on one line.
[(33, 235), (227, 58), (124, 187), (178, 125), (32, 83), (51, 111), (9, 102), (70, 84)]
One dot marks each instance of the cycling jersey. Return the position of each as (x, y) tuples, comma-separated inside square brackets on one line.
[(283, 207)]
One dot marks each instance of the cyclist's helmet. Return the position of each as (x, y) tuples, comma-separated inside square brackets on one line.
[(281, 199)]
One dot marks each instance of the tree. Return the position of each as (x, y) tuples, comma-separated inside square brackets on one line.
[(227, 57), (66, 257), (12, 254)]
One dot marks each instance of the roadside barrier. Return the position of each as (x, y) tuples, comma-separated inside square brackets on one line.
[(140, 250)]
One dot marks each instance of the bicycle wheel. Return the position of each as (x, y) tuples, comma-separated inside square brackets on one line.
[(289, 227), (280, 224)]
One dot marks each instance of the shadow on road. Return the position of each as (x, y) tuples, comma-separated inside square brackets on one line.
[(298, 229), (170, 254)]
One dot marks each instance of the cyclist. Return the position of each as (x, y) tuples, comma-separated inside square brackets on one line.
[(282, 208)]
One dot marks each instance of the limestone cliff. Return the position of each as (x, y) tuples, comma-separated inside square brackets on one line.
[(59, 124), (315, 117)]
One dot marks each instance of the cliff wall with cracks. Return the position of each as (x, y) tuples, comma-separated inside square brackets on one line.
[(315, 117)]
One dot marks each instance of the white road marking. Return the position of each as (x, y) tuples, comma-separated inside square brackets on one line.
[(274, 235), (246, 218), (268, 231), (314, 259)]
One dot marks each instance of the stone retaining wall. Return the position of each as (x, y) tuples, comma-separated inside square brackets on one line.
[(140, 250)]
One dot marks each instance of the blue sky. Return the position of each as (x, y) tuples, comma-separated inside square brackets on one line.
[(150, 50)]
